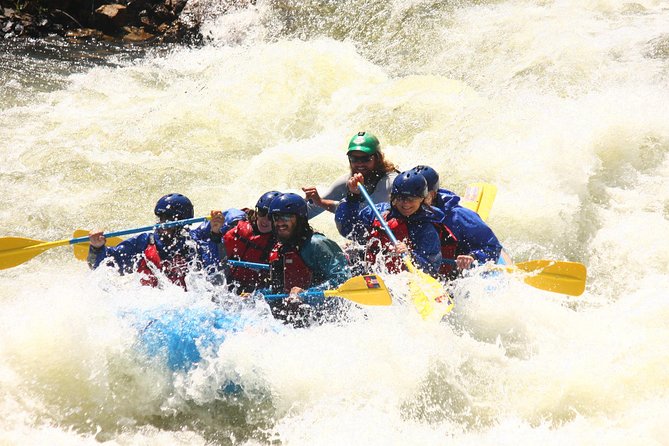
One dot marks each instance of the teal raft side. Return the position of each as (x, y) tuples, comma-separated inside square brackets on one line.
[(182, 335)]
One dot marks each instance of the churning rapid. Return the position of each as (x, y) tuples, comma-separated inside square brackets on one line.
[(561, 104)]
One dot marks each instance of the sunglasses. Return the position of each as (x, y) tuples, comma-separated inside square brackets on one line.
[(360, 159), (282, 217), (262, 212), (406, 198)]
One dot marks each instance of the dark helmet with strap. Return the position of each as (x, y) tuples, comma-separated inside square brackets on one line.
[(409, 183), (265, 200), (364, 142), (288, 204), (174, 207), (430, 175)]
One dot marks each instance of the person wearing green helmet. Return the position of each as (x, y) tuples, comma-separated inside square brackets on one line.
[(365, 158)]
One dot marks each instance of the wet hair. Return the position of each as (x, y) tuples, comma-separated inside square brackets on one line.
[(304, 229), (383, 166), (387, 166)]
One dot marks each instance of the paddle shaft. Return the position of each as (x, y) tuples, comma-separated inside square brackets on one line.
[(17, 250), (166, 225), (367, 289), (383, 222), (391, 236), (251, 265), (303, 294)]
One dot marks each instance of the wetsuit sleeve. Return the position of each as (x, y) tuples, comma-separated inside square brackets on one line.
[(124, 255), (382, 190), (337, 191), (328, 263), (474, 236)]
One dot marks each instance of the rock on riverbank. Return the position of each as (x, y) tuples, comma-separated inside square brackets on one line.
[(124, 20)]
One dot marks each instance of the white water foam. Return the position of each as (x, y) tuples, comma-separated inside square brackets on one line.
[(561, 105)]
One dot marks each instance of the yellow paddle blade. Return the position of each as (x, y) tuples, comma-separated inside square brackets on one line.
[(366, 290), (479, 197), (429, 296), (551, 275), (81, 249), (16, 250)]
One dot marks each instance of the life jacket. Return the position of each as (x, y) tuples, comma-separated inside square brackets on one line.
[(243, 243), (174, 269), (381, 243), (449, 246), (287, 269)]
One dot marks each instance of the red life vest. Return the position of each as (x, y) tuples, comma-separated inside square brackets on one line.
[(288, 270), (380, 242), (175, 269), (449, 246), (243, 243)]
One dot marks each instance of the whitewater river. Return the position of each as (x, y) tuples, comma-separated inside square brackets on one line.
[(563, 105)]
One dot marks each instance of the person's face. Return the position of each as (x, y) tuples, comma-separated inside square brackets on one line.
[(285, 226), (263, 222), (407, 205), (361, 162), (168, 236)]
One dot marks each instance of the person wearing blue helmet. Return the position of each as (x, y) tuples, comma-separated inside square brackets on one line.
[(411, 220), (168, 252), (247, 236), (366, 158), (302, 259), (466, 240)]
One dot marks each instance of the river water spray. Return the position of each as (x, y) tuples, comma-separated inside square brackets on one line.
[(562, 105)]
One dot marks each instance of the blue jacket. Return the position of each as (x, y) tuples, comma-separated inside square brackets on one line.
[(128, 254), (355, 223), (474, 236)]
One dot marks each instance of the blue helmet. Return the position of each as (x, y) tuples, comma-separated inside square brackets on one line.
[(409, 183), (288, 204), (174, 207), (430, 175), (265, 200)]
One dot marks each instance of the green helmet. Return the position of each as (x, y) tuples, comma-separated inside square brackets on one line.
[(364, 142)]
